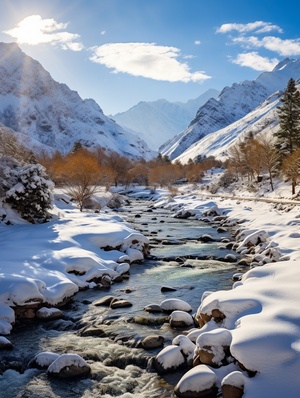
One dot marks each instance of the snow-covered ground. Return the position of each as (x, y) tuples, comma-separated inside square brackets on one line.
[(262, 310), (52, 261)]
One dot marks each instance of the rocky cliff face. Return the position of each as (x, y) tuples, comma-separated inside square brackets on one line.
[(233, 103), (34, 104)]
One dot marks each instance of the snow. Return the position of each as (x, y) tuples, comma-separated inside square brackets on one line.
[(236, 379), (170, 357), (47, 115), (181, 316), (262, 309), (47, 263), (45, 359), (65, 360), (249, 106), (173, 304), (197, 379)]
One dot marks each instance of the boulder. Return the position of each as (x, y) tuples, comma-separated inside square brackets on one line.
[(5, 344), (68, 366), (181, 319), (49, 313), (152, 341), (169, 359), (233, 385), (174, 304), (199, 382), (213, 347), (43, 360), (105, 301), (120, 303), (153, 308)]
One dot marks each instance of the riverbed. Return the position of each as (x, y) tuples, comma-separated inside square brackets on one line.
[(119, 368)]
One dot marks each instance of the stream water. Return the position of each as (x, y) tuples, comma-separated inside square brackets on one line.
[(118, 367)]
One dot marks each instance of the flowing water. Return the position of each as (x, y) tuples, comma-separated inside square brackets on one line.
[(118, 367)]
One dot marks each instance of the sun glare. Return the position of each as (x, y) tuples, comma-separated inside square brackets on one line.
[(35, 30)]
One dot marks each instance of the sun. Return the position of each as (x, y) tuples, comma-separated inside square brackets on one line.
[(34, 30)]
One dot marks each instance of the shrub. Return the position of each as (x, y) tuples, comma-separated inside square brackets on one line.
[(28, 190)]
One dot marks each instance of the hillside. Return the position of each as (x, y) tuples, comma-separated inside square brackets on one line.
[(52, 115), (232, 105)]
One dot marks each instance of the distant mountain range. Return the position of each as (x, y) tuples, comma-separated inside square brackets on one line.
[(49, 116), (46, 115), (158, 121), (236, 109)]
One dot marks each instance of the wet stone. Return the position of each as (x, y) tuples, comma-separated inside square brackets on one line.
[(105, 301), (122, 303), (152, 341), (153, 308), (168, 289)]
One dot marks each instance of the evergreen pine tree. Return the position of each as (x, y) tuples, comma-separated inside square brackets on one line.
[(288, 135)]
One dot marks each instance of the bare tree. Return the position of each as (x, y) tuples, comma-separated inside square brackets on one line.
[(291, 168)]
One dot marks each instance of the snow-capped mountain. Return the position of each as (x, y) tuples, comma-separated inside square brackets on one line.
[(48, 112), (158, 121), (262, 120), (233, 104)]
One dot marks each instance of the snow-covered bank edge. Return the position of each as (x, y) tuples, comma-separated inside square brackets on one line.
[(261, 313), (45, 265)]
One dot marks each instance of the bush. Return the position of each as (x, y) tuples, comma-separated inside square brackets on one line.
[(27, 189)]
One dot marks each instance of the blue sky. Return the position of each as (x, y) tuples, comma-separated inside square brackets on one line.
[(120, 52)]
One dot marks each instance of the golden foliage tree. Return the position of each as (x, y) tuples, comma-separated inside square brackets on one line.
[(291, 168), (82, 176)]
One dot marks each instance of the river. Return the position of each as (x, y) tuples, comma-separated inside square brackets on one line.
[(118, 367)]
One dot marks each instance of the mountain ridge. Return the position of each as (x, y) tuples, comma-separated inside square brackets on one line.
[(233, 103), (48, 112), (167, 118)]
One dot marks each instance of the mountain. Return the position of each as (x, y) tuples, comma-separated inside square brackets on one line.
[(232, 104), (160, 120), (49, 113), (262, 120)]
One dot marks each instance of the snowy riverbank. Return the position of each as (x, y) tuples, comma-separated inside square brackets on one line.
[(48, 263), (259, 317), (261, 312)]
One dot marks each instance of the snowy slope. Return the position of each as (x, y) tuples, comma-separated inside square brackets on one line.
[(233, 103), (160, 120), (262, 119), (32, 103)]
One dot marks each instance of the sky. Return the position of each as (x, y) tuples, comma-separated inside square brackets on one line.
[(121, 52)]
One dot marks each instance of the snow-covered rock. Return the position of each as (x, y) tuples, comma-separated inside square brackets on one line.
[(174, 304), (181, 319), (197, 382), (169, 358), (44, 359), (49, 313), (68, 365)]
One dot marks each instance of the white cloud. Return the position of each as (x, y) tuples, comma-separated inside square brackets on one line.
[(34, 30), (103, 32), (257, 27), (284, 47), (147, 60), (197, 42), (255, 61)]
